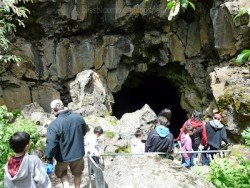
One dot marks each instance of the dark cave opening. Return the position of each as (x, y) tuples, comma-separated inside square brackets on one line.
[(155, 91)]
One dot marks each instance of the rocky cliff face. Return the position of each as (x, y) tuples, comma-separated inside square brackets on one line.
[(118, 37)]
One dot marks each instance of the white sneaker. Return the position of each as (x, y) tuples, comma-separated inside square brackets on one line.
[(93, 177)]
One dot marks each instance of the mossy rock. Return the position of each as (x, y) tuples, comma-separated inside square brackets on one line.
[(239, 96), (109, 134), (123, 149), (111, 120)]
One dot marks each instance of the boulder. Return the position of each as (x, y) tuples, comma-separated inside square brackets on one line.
[(12, 91), (90, 95), (230, 87), (150, 171), (35, 113), (44, 94), (30, 108), (140, 119)]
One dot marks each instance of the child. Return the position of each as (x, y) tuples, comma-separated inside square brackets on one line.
[(137, 147), (92, 146), (23, 170), (186, 145)]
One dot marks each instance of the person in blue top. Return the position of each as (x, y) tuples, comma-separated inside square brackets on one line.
[(65, 142), (160, 139)]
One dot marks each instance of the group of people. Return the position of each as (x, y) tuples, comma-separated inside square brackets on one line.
[(194, 133), (65, 142)]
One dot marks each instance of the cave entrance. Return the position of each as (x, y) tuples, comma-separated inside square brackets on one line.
[(155, 91)]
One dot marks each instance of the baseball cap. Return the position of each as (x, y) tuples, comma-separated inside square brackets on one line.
[(55, 103)]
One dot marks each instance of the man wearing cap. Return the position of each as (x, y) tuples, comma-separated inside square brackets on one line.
[(65, 142), (216, 133)]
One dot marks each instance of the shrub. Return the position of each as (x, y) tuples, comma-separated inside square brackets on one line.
[(7, 129), (226, 175)]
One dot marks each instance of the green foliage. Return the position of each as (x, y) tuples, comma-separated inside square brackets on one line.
[(240, 13), (109, 134), (123, 149), (246, 136), (243, 57), (7, 129), (174, 6), (226, 175), (10, 15)]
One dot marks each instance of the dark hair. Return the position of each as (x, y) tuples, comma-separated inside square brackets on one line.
[(189, 128), (166, 113), (162, 120), (138, 133), (197, 115), (98, 130), (18, 141)]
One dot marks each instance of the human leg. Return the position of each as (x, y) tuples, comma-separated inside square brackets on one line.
[(61, 172), (193, 156), (77, 180), (65, 181), (212, 154), (76, 168), (186, 162), (205, 159)]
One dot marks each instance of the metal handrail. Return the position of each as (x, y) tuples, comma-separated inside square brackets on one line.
[(99, 179), (162, 153)]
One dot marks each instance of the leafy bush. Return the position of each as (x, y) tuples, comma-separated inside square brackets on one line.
[(226, 175), (241, 12), (243, 57), (175, 6), (246, 136), (7, 129), (11, 15)]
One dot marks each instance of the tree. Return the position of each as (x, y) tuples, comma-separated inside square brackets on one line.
[(11, 15)]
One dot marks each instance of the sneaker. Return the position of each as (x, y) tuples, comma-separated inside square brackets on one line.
[(93, 177)]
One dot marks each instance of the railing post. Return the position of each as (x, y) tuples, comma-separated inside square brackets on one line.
[(89, 170), (99, 180)]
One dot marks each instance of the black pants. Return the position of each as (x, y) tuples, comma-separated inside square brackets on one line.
[(211, 148), (205, 156), (97, 161)]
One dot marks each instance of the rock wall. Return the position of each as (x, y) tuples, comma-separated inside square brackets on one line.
[(118, 37)]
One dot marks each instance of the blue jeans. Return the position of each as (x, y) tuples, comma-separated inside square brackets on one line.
[(186, 162), (192, 159)]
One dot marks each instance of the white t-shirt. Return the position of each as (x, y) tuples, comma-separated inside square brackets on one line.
[(92, 145), (137, 147)]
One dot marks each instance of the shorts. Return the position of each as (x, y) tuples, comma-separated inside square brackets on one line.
[(76, 168)]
